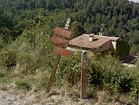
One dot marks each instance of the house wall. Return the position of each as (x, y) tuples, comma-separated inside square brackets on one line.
[(106, 46), (114, 43)]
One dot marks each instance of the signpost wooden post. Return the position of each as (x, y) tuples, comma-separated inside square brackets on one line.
[(60, 39), (83, 74), (138, 95), (53, 72)]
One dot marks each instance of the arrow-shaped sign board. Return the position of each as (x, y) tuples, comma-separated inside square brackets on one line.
[(59, 41), (62, 52), (62, 32)]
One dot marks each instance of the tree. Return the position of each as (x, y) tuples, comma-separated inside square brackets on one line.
[(134, 42), (77, 29)]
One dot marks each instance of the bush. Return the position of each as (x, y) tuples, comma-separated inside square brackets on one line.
[(33, 51), (108, 73), (2, 75), (8, 58), (122, 48), (23, 84), (69, 69), (105, 72), (137, 63)]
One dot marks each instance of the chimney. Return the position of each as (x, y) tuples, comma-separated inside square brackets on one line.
[(100, 34), (91, 37)]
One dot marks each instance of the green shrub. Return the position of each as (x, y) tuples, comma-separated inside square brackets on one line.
[(23, 84), (104, 70), (122, 48), (8, 58), (69, 69), (137, 63), (107, 72), (33, 50), (96, 77), (2, 75), (1, 43)]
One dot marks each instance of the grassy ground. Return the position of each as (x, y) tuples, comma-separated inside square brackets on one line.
[(26, 79), (29, 86)]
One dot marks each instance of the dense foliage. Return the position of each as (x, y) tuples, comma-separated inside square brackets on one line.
[(112, 17), (103, 72)]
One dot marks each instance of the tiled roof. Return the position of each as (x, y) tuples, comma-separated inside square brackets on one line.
[(101, 43)]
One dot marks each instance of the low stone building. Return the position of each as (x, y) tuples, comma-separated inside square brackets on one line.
[(94, 43)]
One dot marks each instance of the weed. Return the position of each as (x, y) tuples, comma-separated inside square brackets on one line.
[(23, 84), (2, 75)]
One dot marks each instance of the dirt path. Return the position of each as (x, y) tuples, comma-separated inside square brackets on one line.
[(3, 101), (12, 97), (6, 98)]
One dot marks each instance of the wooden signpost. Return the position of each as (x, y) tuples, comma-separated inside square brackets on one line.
[(61, 51), (83, 74), (137, 96), (60, 39), (53, 72)]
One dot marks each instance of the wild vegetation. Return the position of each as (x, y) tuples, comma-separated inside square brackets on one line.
[(25, 49)]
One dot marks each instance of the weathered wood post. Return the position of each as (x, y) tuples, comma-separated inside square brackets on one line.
[(138, 98), (52, 77), (60, 39), (83, 74), (138, 95)]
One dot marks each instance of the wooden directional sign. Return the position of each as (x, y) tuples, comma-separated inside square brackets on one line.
[(61, 40), (62, 52), (62, 33)]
